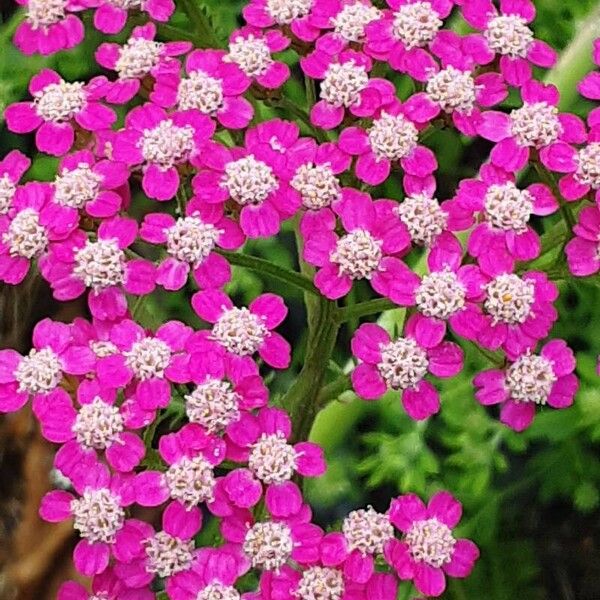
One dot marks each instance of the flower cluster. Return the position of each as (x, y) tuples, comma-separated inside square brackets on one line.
[(179, 418)]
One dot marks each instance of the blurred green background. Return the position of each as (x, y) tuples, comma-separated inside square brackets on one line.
[(531, 501)]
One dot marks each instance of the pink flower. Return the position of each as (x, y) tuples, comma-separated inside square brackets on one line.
[(500, 213), (138, 58), (392, 137), (345, 84), (534, 126), (236, 334), (530, 380), (365, 251), (269, 545), (580, 166), (48, 28), (261, 441), (428, 550), (191, 456), (212, 86), (288, 13), (98, 187), (98, 511), (458, 93), (143, 553), (78, 263), (589, 86), (105, 585), (583, 251), (506, 33), (41, 371), (161, 142), (190, 242), (244, 176), (448, 294), (401, 364), (403, 34), (251, 50), (33, 223), (56, 104), (518, 311), (110, 17), (347, 20), (364, 536), (12, 167), (98, 425), (151, 361)]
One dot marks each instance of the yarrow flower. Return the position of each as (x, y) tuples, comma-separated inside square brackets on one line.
[(237, 334), (12, 167), (507, 33), (105, 586), (110, 16), (401, 364), (428, 550), (365, 250), (583, 251), (49, 27), (530, 380), (59, 106)]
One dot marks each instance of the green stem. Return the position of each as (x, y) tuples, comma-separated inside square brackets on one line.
[(362, 309), (303, 399), (266, 267), (206, 37), (333, 389), (549, 180)]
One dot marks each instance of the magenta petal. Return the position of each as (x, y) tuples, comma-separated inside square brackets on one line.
[(429, 580), (446, 508), (310, 460), (180, 522), (445, 360), (56, 506), (563, 391), (150, 489), (125, 453), (276, 351), (91, 559), (368, 341), (422, 401), (55, 138), (284, 499), (367, 382), (270, 308), (517, 415), (405, 510), (160, 184), (463, 559)]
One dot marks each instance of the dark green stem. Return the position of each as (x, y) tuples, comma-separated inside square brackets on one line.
[(333, 389), (266, 267), (370, 307)]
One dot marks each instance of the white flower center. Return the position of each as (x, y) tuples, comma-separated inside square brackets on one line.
[(452, 90), (509, 35), (39, 372), (317, 185), (251, 55), (588, 165), (403, 363), (167, 144), (7, 191), (535, 124), (423, 217), (77, 187), (42, 13), (507, 207), (26, 237), (249, 180), (268, 545), (351, 21), (100, 264), (286, 11), (103, 348), (191, 481), (213, 404), (126, 4), (509, 299), (168, 555), (530, 379), (415, 25), (440, 295), (218, 591), (60, 102), (98, 424), (191, 240), (272, 459), (357, 254), (200, 92), (392, 137), (430, 541), (148, 358), (240, 331), (320, 583), (367, 531), (137, 58), (98, 515), (343, 84)]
